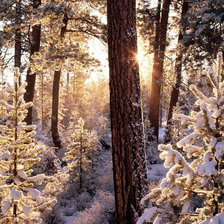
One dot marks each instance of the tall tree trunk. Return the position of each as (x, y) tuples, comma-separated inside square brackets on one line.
[(42, 101), (178, 65), (18, 37), (31, 78), (157, 74), (55, 97), (55, 106), (15, 151), (156, 40), (156, 51), (129, 163), (80, 165), (2, 81)]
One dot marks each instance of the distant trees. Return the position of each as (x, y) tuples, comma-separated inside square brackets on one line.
[(199, 23), (13, 15), (33, 29), (31, 78), (157, 73), (80, 152), (65, 50), (55, 92), (126, 116), (204, 36), (199, 39), (179, 61)]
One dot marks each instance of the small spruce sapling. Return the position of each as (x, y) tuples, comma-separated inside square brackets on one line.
[(192, 191), (21, 201), (80, 152)]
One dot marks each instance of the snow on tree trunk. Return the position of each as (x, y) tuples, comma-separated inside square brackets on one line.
[(126, 115)]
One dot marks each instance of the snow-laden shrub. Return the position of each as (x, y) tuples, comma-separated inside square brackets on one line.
[(69, 202), (104, 172), (101, 211), (83, 201), (97, 175), (83, 145), (49, 162), (192, 191), (54, 217), (21, 200)]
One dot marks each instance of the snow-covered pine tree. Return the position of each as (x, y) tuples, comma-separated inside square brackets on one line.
[(80, 152), (192, 191), (21, 201)]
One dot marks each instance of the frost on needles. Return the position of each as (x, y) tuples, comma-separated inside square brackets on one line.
[(21, 201), (193, 189)]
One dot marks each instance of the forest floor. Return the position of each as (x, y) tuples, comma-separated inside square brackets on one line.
[(95, 202)]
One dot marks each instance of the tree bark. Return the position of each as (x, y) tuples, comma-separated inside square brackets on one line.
[(80, 164), (55, 97), (178, 65), (31, 78), (42, 101), (156, 41), (55, 106), (129, 165), (15, 157), (18, 37), (157, 74)]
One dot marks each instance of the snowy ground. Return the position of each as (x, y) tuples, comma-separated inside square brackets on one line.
[(156, 172), (70, 219), (162, 132)]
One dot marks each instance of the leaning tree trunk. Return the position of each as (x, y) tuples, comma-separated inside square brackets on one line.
[(157, 74), (55, 97), (178, 65), (31, 78), (18, 37), (129, 164)]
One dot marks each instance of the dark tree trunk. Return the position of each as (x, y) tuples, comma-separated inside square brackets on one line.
[(129, 165), (156, 41), (55, 97), (42, 101), (178, 65), (55, 106), (18, 37), (31, 78), (15, 157), (157, 74), (80, 165), (156, 52)]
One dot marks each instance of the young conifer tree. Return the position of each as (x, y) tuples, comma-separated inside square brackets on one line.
[(80, 151), (20, 199), (192, 191)]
